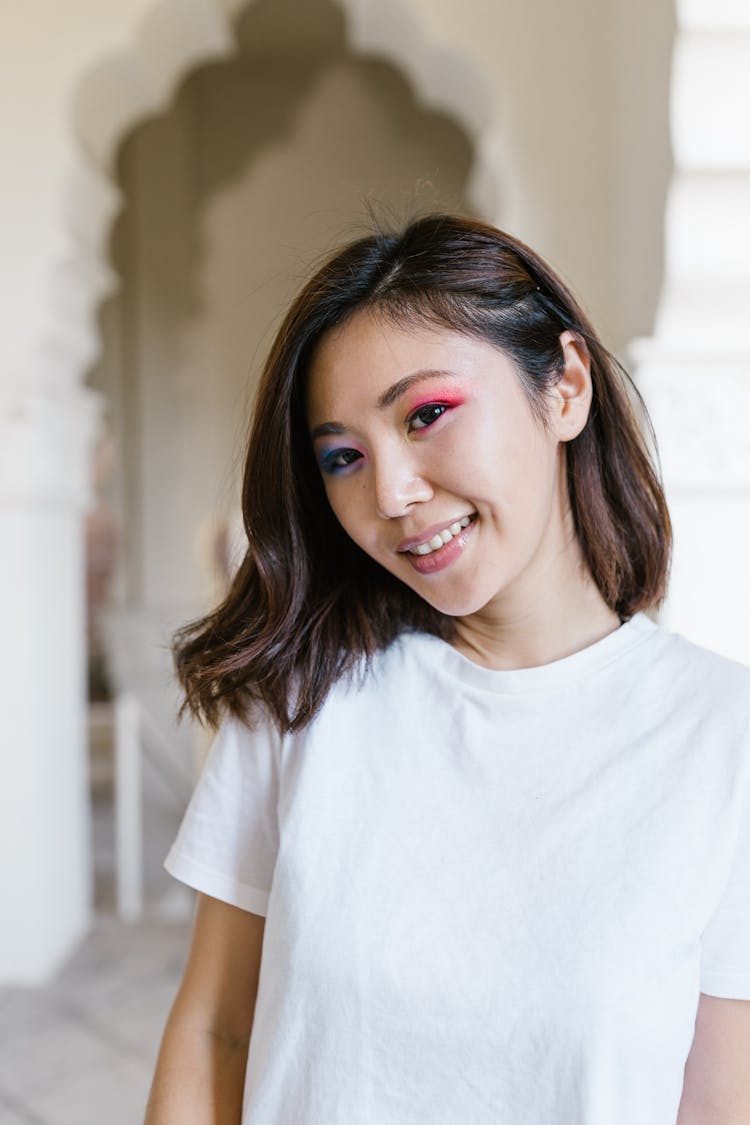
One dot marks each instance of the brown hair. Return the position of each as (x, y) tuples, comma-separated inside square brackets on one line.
[(307, 605)]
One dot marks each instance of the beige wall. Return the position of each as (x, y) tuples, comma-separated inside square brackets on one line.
[(263, 162), (579, 93), (578, 103), (259, 167)]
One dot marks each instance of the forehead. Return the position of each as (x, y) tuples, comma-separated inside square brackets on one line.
[(356, 362)]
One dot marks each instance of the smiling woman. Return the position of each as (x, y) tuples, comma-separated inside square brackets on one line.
[(472, 841), (455, 306), (452, 440)]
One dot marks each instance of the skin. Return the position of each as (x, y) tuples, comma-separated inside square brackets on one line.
[(200, 1072), (519, 590), (716, 1090)]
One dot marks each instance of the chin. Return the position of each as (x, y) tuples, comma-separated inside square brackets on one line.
[(454, 607)]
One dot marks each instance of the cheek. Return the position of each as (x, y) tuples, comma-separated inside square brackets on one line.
[(347, 508), (535, 492), (513, 469)]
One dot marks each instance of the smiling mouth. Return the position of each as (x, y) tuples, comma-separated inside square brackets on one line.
[(441, 537)]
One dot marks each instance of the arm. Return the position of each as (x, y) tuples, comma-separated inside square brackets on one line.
[(200, 1071), (717, 1074)]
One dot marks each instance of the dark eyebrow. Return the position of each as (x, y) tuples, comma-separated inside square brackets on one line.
[(327, 428), (386, 399), (389, 397)]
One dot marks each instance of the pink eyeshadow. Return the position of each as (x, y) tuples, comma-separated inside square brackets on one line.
[(440, 396)]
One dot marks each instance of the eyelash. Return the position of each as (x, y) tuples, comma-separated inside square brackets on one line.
[(328, 461), (441, 406)]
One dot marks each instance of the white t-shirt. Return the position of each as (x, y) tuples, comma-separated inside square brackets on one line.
[(490, 896)]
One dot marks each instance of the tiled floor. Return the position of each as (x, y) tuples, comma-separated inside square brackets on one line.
[(82, 1050)]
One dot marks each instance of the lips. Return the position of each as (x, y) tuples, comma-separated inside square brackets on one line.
[(430, 532), (435, 561)]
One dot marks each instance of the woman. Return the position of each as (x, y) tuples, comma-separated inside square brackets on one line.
[(488, 820)]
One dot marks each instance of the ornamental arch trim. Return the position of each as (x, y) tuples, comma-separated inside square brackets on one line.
[(123, 89)]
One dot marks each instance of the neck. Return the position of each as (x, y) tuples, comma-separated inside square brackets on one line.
[(552, 611), (535, 635)]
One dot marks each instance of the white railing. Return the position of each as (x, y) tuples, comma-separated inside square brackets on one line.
[(137, 737), (128, 809)]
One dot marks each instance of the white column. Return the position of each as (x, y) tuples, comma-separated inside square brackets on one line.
[(45, 439), (695, 371), (98, 70)]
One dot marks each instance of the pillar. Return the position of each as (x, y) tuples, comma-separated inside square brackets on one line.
[(694, 372), (45, 441)]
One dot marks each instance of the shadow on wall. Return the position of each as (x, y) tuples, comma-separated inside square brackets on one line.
[(262, 163)]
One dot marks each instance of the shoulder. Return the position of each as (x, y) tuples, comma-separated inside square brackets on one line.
[(253, 738), (383, 679), (724, 681), (410, 656), (375, 679), (708, 677), (699, 701)]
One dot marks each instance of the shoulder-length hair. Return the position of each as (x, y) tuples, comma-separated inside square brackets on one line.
[(307, 605)]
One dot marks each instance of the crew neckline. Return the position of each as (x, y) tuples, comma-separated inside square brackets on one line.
[(558, 672)]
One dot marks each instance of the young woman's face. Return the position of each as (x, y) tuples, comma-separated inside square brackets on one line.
[(434, 464)]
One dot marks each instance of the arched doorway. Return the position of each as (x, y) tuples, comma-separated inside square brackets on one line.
[(260, 164)]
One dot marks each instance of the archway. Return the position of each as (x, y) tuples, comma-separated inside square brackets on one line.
[(246, 175), (138, 82)]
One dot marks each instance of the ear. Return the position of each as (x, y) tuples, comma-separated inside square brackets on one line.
[(570, 398)]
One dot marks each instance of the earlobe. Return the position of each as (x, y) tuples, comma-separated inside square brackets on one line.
[(573, 390)]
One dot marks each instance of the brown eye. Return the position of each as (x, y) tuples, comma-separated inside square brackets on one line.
[(338, 460), (426, 415)]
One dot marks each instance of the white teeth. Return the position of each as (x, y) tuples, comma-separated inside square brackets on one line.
[(441, 538)]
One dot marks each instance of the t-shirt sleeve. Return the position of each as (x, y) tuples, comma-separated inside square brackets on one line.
[(228, 840), (725, 948)]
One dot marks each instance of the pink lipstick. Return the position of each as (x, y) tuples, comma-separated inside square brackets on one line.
[(444, 556)]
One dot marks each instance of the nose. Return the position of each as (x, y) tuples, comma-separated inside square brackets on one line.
[(399, 485)]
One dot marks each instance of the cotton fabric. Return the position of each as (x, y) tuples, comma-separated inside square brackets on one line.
[(490, 896)]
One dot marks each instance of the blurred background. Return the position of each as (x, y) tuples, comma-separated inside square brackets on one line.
[(171, 170)]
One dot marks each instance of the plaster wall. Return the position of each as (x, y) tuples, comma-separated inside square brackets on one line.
[(255, 172), (580, 96), (44, 816), (695, 367), (575, 93), (262, 163), (47, 48)]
